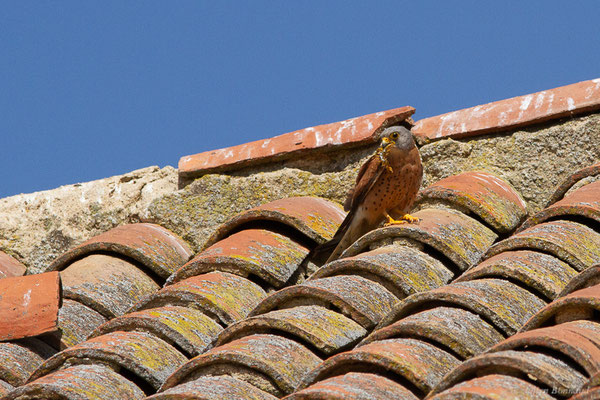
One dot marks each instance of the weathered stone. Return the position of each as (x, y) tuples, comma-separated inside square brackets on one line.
[(38, 227)]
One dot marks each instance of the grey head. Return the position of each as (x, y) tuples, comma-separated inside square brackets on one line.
[(399, 135)]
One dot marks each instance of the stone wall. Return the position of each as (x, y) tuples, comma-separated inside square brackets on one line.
[(37, 227)]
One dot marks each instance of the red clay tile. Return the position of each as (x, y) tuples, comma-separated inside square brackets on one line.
[(580, 304), (29, 305), (461, 239), (587, 278), (5, 388), (539, 369), (252, 252), (481, 193), (455, 329), (401, 270), (153, 246), (17, 362), (318, 328), (361, 299), (571, 242), (10, 266), (314, 217), (224, 297), (107, 284), (512, 113), (348, 132), (563, 188), (272, 363), (494, 387), (541, 273), (219, 387), (587, 394), (499, 302), (186, 329), (571, 341), (77, 321), (150, 359), (356, 386), (97, 382), (419, 366), (583, 202)]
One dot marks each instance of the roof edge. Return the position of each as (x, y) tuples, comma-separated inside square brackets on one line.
[(560, 102)]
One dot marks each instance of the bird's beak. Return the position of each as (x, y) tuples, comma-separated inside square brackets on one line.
[(385, 141)]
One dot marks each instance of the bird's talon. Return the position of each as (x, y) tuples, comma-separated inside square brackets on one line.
[(406, 219)]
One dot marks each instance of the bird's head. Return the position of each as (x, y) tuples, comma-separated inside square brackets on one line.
[(399, 136)]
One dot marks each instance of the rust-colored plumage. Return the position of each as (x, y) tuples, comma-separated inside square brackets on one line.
[(386, 187)]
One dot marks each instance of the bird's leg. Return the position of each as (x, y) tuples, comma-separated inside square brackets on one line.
[(405, 219)]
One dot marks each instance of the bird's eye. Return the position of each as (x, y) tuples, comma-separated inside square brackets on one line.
[(394, 135)]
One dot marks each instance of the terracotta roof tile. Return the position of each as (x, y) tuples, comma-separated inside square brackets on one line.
[(17, 362), (461, 239), (418, 365), (10, 266), (548, 372), (358, 298), (5, 388), (400, 269), (224, 297), (541, 273), (318, 328), (149, 359), (572, 180), (580, 304), (77, 321), (503, 304), (187, 329), (587, 278), (481, 193), (272, 363), (107, 284), (512, 113), (356, 386), (571, 242), (77, 382), (494, 387), (583, 202), (152, 246), (218, 387), (458, 331), (314, 217), (348, 132), (270, 256), (31, 305)]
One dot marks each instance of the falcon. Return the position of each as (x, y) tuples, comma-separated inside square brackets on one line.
[(386, 187)]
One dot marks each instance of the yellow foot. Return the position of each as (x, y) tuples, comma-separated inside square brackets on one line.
[(406, 219)]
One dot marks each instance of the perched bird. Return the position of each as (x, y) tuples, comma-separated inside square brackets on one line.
[(386, 187)]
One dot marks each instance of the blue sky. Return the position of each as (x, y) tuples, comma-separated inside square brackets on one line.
[(91, 89)]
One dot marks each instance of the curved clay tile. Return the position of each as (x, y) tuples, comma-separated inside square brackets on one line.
[(402, 270), (501, 303), (490, 198), (574, 243), (10, 266), (272, 257), (461, 239), (581, 203), (317, 327), (494, 387), (224, 297), (587, 278), (152, 246), (418, 365), (314, 217), (356, 386), (77, 321), (541, 273), (358, 298), (272, 363), (148, 358), (79, 381), (218, 387), (563, 188)]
